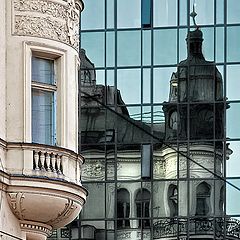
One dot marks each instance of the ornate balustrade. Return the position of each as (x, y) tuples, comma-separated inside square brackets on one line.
[(229, 228), (44, 161)]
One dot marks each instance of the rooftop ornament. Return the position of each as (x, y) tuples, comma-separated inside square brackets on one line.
[(193, 14)]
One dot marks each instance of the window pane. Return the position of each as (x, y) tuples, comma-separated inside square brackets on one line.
[(233, 39), (128, 14), (146, 48), (233, 9), (129, 79), (165, 46), (233, 197), (42, 117), (219, 48), (93, 43), (233, 161), (110, 49), (233, 73), (165, 13), (93, 15), (129, 48), (42, 70), (233, 119), (110, 14), (146, 13)]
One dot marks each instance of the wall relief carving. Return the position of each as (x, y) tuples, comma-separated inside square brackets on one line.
[(47, 19), (15, 201)]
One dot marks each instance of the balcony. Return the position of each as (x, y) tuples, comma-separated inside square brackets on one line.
[(43, 186), (202, 228)]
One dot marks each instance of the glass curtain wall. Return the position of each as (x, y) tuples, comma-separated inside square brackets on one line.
[(159, 122)]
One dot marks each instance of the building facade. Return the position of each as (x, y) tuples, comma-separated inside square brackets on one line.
[(159, 120), (40, 165)]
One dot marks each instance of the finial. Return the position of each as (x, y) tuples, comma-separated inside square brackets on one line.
[(193, 15)]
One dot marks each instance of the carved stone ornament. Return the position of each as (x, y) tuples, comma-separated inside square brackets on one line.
[(47, 19), (16, 201)]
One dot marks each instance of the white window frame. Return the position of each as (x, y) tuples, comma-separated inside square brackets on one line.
[(59, 56)]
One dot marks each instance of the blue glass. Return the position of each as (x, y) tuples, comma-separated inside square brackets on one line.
[(219, 47), (43, 129), (146, 13), (233, 84), (93, 16), (129, 84), (94, 44), (42, 70), (233, 39), (110, 49), (233, 10), (165, 46), (128, 13), (146, 47), (164, 13), (161, 83), (233, 161), (129, 48), (232, 198), (233, 120), (146, 88), (110, 13)]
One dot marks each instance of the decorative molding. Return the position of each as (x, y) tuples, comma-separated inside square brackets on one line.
[(69, 209), (15, 201), (47, 19), (28, 226)]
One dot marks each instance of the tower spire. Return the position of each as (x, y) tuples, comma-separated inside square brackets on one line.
[(193, 14)]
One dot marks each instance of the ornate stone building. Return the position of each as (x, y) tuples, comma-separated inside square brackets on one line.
[(40, 168)]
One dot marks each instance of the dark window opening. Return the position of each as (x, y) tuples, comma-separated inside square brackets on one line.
[(143, 207), (146, 13), (203, 199), (123, 208)]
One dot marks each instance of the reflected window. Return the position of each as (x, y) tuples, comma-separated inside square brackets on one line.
[(221, 200), (172, 200), (123, 208), (142, 205), (203, 199)]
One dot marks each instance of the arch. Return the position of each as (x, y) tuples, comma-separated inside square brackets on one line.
[(142, 202), (123, 208), (203, 193)]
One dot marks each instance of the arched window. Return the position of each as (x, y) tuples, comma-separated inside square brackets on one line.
[(142, 204), (203, 199), (123, 208), (172, 200)]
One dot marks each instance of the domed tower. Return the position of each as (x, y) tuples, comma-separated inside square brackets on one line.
[(195, 89)]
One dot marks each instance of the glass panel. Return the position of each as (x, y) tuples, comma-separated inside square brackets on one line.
[(161, 79), (205, 11), (93, 15), (233, 161), (233, 9), (129, 79), (233, 39), (233, 119), (146, 47), (110, 49), (96, 198), (183, 16), (128, 13), (93, 43), (110, 14), (208, 43), (146, 85), (165, 13), (220, 11), (165, 46), (219, 48), (42, 70), (146, 13), (182, 44), (233, 197), (129, 48), (233, 73), (43, 130), (93, 230)]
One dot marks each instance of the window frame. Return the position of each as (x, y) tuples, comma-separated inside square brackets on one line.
[(58, 55)]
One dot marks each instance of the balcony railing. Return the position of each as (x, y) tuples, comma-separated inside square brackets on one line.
[(44, 161), (218, 227)]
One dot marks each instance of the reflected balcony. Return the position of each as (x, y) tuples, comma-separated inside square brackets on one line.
[(199, 228)]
